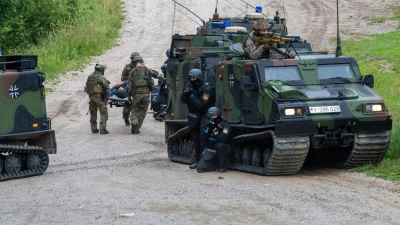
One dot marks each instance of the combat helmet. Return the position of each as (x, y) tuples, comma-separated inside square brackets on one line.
[(134, 54), (100, 66), (196, 73), (260, 24), (137, 58), (213, 111)]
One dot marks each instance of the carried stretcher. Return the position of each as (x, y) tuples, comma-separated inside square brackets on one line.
[(118, 102), (159, 100)]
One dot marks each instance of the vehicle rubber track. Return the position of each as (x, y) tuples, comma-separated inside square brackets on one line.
[(286, 158), (368, 148), (179, 149), (39, 163)]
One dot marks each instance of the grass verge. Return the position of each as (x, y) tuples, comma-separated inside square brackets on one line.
[(95, 30), (378, 54)]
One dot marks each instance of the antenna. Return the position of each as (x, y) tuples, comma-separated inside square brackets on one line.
[(276, 18), (216, 16), (338, 48), (204, 23), (269, 21)]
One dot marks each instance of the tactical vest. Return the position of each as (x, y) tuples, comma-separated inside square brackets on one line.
[(140, 84), (92, 86)]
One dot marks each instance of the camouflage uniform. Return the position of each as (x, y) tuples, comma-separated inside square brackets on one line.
[(256, 51), (252, 49), (125, 76), (139, 89), (95, 85)]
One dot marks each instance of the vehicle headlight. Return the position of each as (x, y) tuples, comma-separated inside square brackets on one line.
[(371, 108), (294, 111)]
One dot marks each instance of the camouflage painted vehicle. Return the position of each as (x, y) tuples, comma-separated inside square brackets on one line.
[(281, 110), (26, 137), (213, 43)]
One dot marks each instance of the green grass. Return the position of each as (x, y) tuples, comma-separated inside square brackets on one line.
[(378, 54), (95, 30)]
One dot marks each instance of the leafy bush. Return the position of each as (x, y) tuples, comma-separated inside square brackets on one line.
[(27, 22)]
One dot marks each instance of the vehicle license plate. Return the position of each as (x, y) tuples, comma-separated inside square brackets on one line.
[(325, 109)]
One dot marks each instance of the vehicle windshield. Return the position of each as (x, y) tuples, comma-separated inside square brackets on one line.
[(284, 73), (335, 71)]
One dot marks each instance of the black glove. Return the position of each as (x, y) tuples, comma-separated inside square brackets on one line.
[(187, 91), (211, 127)]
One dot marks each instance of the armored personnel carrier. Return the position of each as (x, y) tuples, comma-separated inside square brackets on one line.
[(26, 137), (282, 110)]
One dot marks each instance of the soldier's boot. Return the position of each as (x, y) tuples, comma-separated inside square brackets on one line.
[(222, 169), (134, 128), (104, 131), (95, 131), (127, 123), (193, 166)]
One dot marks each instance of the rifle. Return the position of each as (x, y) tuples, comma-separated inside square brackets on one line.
[(150, 82), (271, 39)]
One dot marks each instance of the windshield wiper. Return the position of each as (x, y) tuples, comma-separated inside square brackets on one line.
[(341, 78)]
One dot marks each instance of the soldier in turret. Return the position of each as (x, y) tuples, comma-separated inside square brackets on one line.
[(254, 50), (140, 84), (98, 89), (124, 78)]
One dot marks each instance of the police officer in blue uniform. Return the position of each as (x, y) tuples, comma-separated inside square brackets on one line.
[(199, 97), (216, 134)]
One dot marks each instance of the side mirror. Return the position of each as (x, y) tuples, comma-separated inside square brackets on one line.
[(369, 80), (247, 85)]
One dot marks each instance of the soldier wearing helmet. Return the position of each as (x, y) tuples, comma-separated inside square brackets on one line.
[(97, 86), (124, 78), (199, 96), (216, 137), (252, 49), (140, 84)]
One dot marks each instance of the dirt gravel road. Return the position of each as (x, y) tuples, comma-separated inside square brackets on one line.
[(127, 179)]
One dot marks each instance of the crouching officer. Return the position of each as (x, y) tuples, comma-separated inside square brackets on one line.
[(98, 89), (216, 134), (199, 96)]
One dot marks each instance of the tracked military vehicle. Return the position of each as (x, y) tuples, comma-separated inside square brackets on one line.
[(26, 137), (282, 110)]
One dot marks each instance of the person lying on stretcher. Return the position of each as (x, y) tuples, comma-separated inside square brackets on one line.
[(118, 95)]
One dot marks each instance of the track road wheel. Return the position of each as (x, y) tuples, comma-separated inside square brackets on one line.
[(176, 148), (33, 161), (266, 156), (185, 146), (1, 164), (256, 157), (246, 155), (180, 147), (237, 154), (13, 163)]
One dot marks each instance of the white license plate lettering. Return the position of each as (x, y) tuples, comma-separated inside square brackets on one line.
[(325, 109)]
